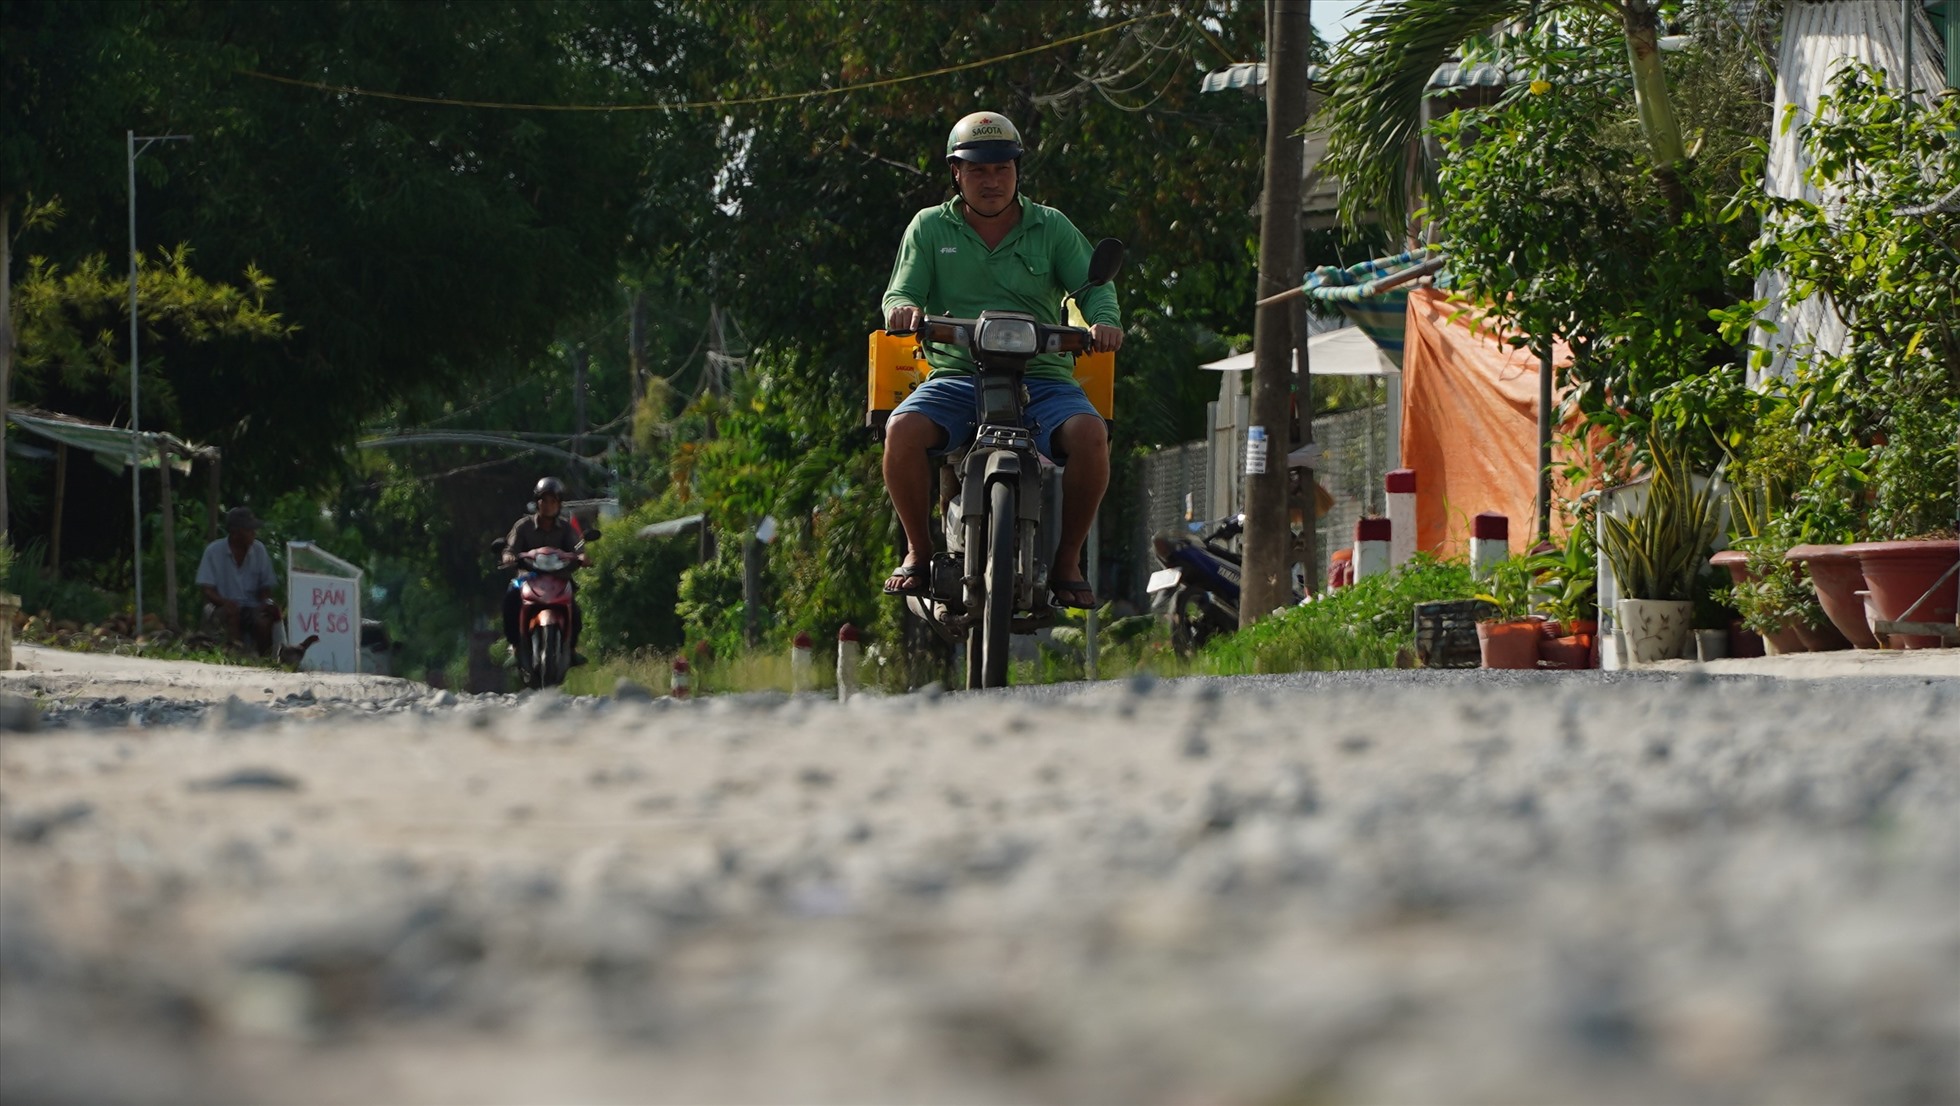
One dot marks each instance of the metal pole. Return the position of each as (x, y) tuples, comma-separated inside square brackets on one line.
[(1089, 650), (135, 419), (135, 398), (1545, 442)]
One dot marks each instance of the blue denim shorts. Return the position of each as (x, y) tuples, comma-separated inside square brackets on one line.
[(948, 401)]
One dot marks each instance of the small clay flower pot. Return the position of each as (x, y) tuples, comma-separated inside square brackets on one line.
[(1509, 644)]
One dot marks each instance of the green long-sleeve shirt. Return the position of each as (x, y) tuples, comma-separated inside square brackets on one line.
[(945, 269)]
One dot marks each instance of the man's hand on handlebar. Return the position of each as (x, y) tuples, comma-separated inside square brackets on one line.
[(1108, 339), (903, 319)]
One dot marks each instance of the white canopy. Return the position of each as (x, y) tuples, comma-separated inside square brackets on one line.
[(1344, 352)]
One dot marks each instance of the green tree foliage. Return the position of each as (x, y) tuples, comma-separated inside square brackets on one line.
[(1557, 227), (630, 594), (1875, 427), (73, 328), (1382, 73), (415, 245)]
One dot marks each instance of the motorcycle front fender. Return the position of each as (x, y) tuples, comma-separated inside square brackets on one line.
[(544, 588), (982, 469)]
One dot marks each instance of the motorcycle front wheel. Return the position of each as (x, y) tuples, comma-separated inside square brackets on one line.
[(1183, 639), (976, 633), (997, 618), (550, 655), (1191, 621)]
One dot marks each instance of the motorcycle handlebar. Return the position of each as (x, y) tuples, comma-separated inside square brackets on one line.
[(948, 330)]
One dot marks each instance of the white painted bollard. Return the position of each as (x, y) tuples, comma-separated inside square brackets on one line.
[(1490, 542), (1401, 488), (799, 663), (1371, 542), (683, 681), (847, 661)]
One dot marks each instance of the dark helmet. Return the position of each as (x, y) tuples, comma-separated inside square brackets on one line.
[(984, 136), (550, 485)]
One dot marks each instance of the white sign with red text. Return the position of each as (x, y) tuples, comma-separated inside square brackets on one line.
[(329, 607)]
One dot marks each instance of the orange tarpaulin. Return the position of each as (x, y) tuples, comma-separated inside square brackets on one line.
[(1470, 425)]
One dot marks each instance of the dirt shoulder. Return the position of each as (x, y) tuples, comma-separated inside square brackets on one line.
[(42, 672)]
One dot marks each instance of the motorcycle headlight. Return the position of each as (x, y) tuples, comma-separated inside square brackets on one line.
[(1011, 336)]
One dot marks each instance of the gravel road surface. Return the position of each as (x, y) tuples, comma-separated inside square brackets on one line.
[(238, 886)]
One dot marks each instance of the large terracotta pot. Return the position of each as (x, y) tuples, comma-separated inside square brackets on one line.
[(1509, 644), (1655, 629), (1744, 642), (1899, 574), (1835, 573), (1822, 639), (1736, 561)]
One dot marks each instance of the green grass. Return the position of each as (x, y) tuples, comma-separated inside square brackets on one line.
[(1360, 626), (751, 670)]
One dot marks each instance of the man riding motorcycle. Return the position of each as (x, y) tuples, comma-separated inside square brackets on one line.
[(990, 248), (546, 528)]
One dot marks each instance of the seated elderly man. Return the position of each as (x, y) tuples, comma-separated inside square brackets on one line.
[(237, 579)]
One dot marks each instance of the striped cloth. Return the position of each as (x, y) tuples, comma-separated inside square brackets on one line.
[(1382, 315)]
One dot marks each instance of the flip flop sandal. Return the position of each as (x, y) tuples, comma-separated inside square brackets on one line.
[(1060, 588), (908, 573)]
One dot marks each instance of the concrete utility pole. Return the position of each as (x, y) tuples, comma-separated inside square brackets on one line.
[(1267, 583)]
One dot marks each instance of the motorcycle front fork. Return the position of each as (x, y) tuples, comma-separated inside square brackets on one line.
[(1034, 545)]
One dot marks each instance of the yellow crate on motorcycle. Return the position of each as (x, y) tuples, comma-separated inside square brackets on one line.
[(897, 367)]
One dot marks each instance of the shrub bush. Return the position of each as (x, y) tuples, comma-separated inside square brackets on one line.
[(631, 593), (1362, 625)]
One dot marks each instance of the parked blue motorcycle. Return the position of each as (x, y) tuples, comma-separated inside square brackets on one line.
[(1197, 590)]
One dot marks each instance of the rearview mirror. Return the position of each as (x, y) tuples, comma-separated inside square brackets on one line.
[(1105, 262), (592, 535), (499, 545)]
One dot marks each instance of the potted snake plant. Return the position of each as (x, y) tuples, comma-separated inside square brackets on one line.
[(1655, 552)]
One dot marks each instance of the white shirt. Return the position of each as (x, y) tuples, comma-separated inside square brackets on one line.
[(240, 583)]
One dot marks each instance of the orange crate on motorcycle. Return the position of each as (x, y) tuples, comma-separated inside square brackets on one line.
[(896, 368), (1096, 372)]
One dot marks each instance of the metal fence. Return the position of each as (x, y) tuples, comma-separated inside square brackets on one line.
[(1179, 484)]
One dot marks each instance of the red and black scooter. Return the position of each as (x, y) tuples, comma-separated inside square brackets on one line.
[(544, 609)]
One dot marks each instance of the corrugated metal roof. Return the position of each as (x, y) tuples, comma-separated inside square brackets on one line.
[(1249, 76), (116, 447), (1455, 74)]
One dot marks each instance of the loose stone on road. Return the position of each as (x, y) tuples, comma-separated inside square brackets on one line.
[(1378, 887)]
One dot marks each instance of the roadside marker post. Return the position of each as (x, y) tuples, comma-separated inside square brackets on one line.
[(800, 663), (847, 661), (1371, 545), (1490, 542), (1401, 488)]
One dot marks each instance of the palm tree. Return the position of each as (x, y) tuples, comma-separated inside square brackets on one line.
[(1383, 68)]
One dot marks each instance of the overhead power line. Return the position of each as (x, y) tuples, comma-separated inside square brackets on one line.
[(701, 105), (466, 437)]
